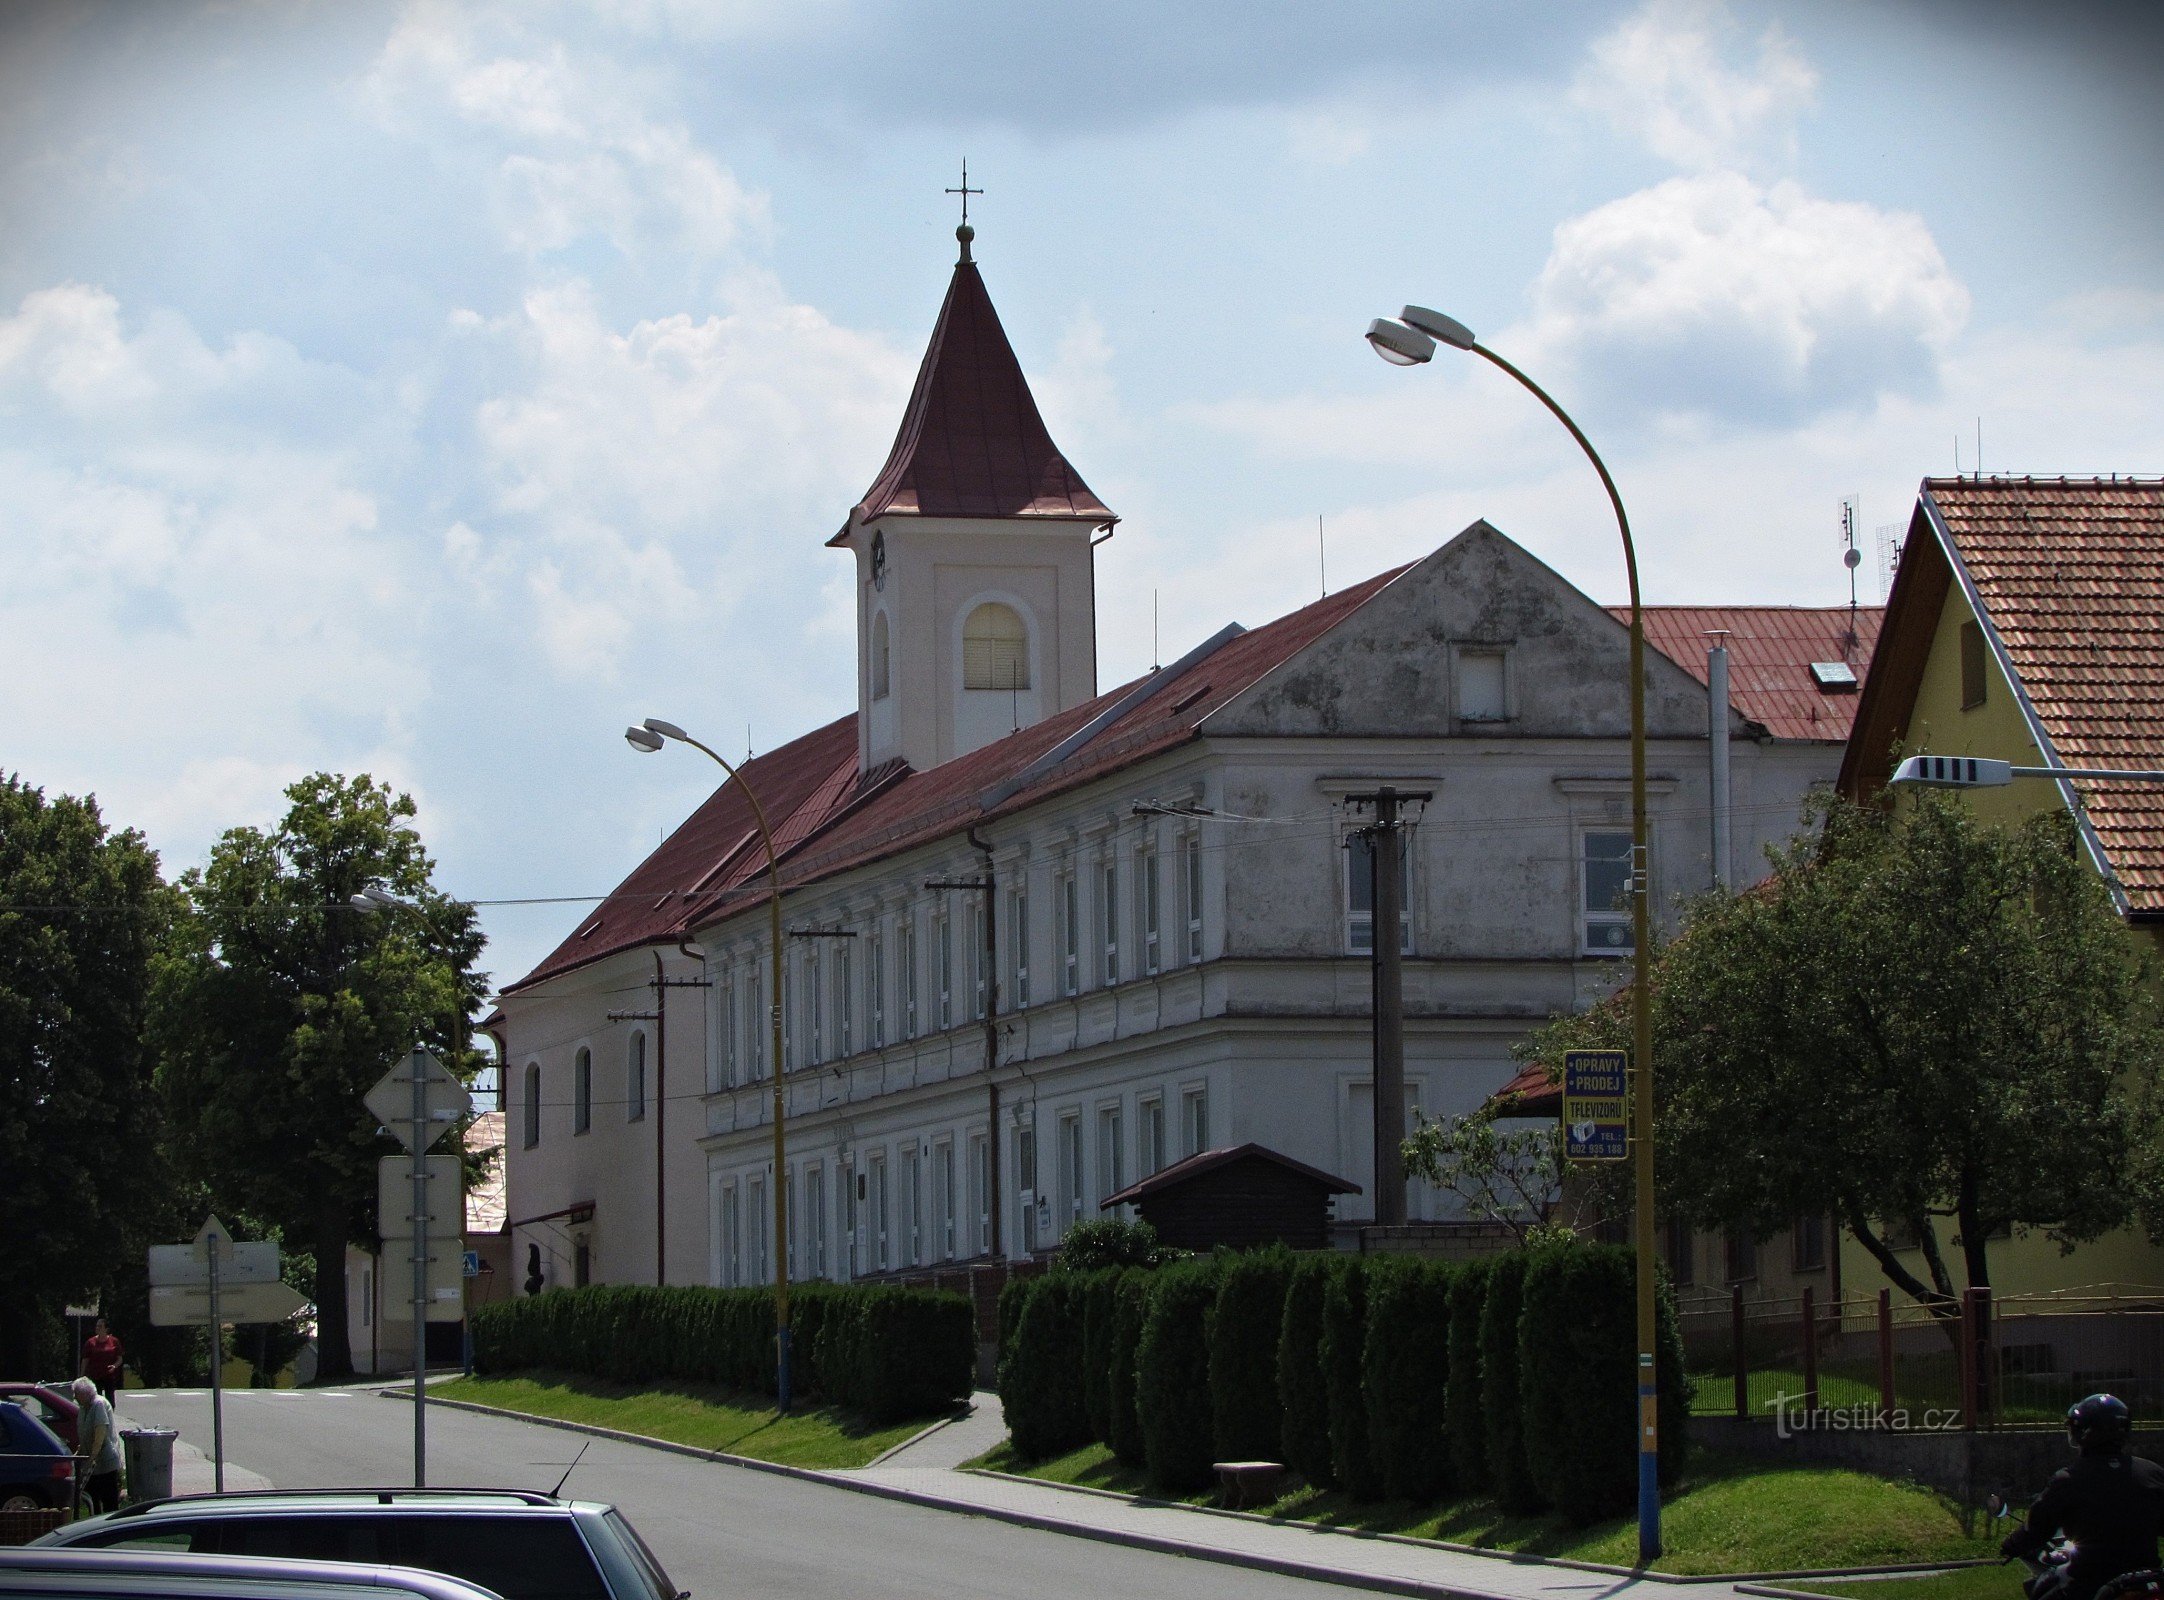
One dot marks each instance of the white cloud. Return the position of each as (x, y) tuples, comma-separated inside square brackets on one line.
[(1670, 76)]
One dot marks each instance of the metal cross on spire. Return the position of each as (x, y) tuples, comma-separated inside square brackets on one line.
[(965, 232)]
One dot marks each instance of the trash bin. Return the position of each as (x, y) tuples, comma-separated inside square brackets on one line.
[(150, 1462)]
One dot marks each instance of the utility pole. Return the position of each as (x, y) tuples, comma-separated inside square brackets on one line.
[(1386, 902), (661, 983), (986, 887)]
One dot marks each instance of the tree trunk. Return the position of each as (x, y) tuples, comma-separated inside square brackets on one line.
[(1975, 1233), (334, 1352), (1938, 1303)]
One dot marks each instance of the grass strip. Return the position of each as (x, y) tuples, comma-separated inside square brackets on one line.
[(1968, 1583)]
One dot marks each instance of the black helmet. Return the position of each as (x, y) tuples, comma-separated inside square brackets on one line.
[(2098, 1425)]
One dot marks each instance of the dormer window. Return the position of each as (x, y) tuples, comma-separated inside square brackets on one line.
[(995, 649)]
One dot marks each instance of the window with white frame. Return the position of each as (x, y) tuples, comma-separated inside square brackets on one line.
[(905, 968), (582, 1090), (1108, 914), (732, 1243), (815, 1217), (792, 1219), (913, 1206), (635, 1076), (1604, 857), (844, 1029), (533, 1104), (995, 648), (1025, 1184), (762, 1230), (980, 1192), (1151, 1114), (845, 1183), (1111, 1154), (815, 1008), (1071, 1177), (757, 1018), (1360, 893), (875, 989), (1018, 943), (943, 962), (943, 1199), (1148, 907), (876, 1169), (973, 933), (1482, 685), (1191, 899), (725, 1001), (1070, 933), (1195, 1120)]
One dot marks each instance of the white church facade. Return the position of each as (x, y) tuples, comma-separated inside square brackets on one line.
[(1043, 940)]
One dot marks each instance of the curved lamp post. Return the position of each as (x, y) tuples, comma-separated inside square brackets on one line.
[(1410, 340), (648, 737)]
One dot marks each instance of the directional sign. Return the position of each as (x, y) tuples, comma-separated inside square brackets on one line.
[(1596, 1105), (444, 1101), (443, 1184), (178, 1266), (244, 1303)]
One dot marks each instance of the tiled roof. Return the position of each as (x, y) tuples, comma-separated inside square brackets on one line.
[(971, 442), (1209, 1160), (2071, 575), (1770, 652), (485, 1210)]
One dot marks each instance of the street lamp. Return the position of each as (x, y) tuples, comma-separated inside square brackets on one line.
[(1410, 340), (1980, 772), (647, 738)]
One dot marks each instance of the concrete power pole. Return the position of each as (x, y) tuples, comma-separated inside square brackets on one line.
[(1386, 881)]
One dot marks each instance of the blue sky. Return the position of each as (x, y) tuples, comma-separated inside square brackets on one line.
[(430, 389)]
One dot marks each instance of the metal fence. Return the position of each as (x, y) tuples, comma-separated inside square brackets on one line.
[(1977, 1360)]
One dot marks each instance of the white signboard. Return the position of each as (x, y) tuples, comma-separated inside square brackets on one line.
[(187, 1266), (444, 1101), (240, 1304), (446, 1281), (443, 1184)]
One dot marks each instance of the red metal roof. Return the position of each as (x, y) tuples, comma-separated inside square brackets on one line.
[(1534, 1092), (971, 442), (1770, 651), (1194, 1166)]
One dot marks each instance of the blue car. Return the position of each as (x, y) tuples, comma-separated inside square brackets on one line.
[(36, 1469)]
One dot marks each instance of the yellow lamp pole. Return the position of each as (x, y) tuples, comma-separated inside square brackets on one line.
[(1410, 340), (648, 738)]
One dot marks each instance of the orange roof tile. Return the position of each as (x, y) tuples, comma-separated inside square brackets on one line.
[(1770, 652)]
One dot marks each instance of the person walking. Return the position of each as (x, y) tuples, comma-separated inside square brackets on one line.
[(101, 1360), (97, 1441)]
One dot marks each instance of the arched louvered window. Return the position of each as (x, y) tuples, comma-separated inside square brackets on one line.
[(995, 649), (533, 1104), (635, 1078), (879, 656)]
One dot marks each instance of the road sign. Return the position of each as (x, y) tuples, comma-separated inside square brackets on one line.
[(444, 1101), (172, 1307), (469, 1265), (443, 1180), (187, 1266), (446, 1283), (1596, 1105)]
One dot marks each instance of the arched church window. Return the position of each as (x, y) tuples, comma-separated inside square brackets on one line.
[(879, 655), (995, 649)]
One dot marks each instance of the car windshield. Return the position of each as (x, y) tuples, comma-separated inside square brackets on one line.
[(649, 1564)]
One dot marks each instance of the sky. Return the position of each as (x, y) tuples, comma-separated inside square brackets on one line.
[(430, 390)]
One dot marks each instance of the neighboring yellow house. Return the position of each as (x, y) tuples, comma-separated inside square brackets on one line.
[(2026, 623)]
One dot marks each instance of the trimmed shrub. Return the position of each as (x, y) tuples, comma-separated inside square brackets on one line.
[(1108, 1242), (1172, 1376), (1100, 1298), (1405, 1375), (1344, 1339), (1040, 1370), (1245, 1326), (1577, 1355), (915, 1353), (1302, 1390), (1501, 1404), (1468, 1426), (1130, 1305)]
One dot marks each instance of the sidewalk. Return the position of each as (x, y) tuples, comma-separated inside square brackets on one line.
[(192, 1471)]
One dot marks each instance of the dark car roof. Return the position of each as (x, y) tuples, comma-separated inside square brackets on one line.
[(214, 1575), (22, 1434)]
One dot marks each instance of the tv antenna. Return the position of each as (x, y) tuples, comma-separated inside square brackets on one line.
[(1851, 558), (1889, 557)]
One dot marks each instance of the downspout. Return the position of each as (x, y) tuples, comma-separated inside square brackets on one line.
[(661, 1112), (991, 1041), (1717, 749)]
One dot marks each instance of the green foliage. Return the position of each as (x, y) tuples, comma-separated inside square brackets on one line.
[(82, 912), (1303, 1391), (1405, 1375), (1100, 1307), (1502, 1401), (1040, 1367), (1245, 1327), (1108, 1242), (883, 1352), (1463, 1407), (1172, 1376), (277, 1006), (1577, 1343), (1343, 1346), (1130, 1306), (1501, 1171)]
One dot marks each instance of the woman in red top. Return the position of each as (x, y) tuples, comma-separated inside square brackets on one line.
[(101, 1360)]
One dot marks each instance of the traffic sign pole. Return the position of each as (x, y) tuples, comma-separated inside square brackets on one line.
[(420, 1279), (217, 1372)]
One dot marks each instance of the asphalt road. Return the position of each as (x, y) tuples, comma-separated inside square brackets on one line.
[(721, 1531)]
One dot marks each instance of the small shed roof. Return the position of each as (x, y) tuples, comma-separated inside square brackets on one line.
[(1194, 1166)]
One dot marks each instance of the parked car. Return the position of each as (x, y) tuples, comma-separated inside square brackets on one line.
[(522, 1544), (141, 1575), (36, 1468), (50, 1403)]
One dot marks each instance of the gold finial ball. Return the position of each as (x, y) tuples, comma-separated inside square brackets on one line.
[(965, 233)]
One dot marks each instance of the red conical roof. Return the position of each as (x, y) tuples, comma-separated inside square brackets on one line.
[(971, 443)]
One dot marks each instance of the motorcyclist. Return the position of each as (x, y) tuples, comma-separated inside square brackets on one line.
[(2108, 1504)]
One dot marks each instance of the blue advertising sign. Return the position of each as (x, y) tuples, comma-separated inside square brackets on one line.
[(1596, 1105)]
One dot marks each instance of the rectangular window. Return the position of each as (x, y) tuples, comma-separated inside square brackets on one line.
[(913, 1207), (1111, 1158), (1071, 1177), (732, 1257), (905, 966), (1682, 1265), (1191, 876), (1972, 666), (762, 1230), (1481, 686), (979, 976), (815, 1217), (725, 992), (368, 1293), (980, 1192), (1742, 1257), (943, 1199), (844, 1033), (1606, 903), (1195, 1120), (635, 1080), (815, 1005), (1070, 934), (881, 1258), (875, 991), (1360, 894), (1807, 1240), (760, 1019), (1146, 892), (845, 1182), (1153, 1134), (943, 954), (1025, 1184), (582, 1091), (1108, 912), (1018, 942)]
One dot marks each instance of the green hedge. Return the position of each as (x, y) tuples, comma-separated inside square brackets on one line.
[(1405, 1375), (1130, 1305), (1040, 1368), (1344, 1341), (1245, 1326), (1468, 1427), (889, 1353), (1172, 1375), (1577, 1340), (1100, 1300), (1303, 1391), (1501, 1403)]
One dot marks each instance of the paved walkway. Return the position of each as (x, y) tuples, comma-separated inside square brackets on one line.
[(192, 1470), (964, 1439)]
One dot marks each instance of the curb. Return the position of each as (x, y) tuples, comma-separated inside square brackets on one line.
[(919, 1437)]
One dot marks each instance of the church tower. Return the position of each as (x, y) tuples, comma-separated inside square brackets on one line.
[(976, 594)]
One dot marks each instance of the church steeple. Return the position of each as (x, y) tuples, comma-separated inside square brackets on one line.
[(976, 590)]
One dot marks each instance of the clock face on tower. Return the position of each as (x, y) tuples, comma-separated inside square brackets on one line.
[(879, 559)]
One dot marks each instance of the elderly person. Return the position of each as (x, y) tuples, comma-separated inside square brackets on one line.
[(98, 1442)]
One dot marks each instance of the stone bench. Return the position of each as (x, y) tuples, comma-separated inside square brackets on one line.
[(1248, 1483)]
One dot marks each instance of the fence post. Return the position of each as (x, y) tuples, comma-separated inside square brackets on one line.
[(1735, 1340), (1810, 1351), (1967, 1365), (1987, 1360), (1885, 1351)]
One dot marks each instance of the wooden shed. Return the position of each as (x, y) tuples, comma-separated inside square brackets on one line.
[(1241, 1195)]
